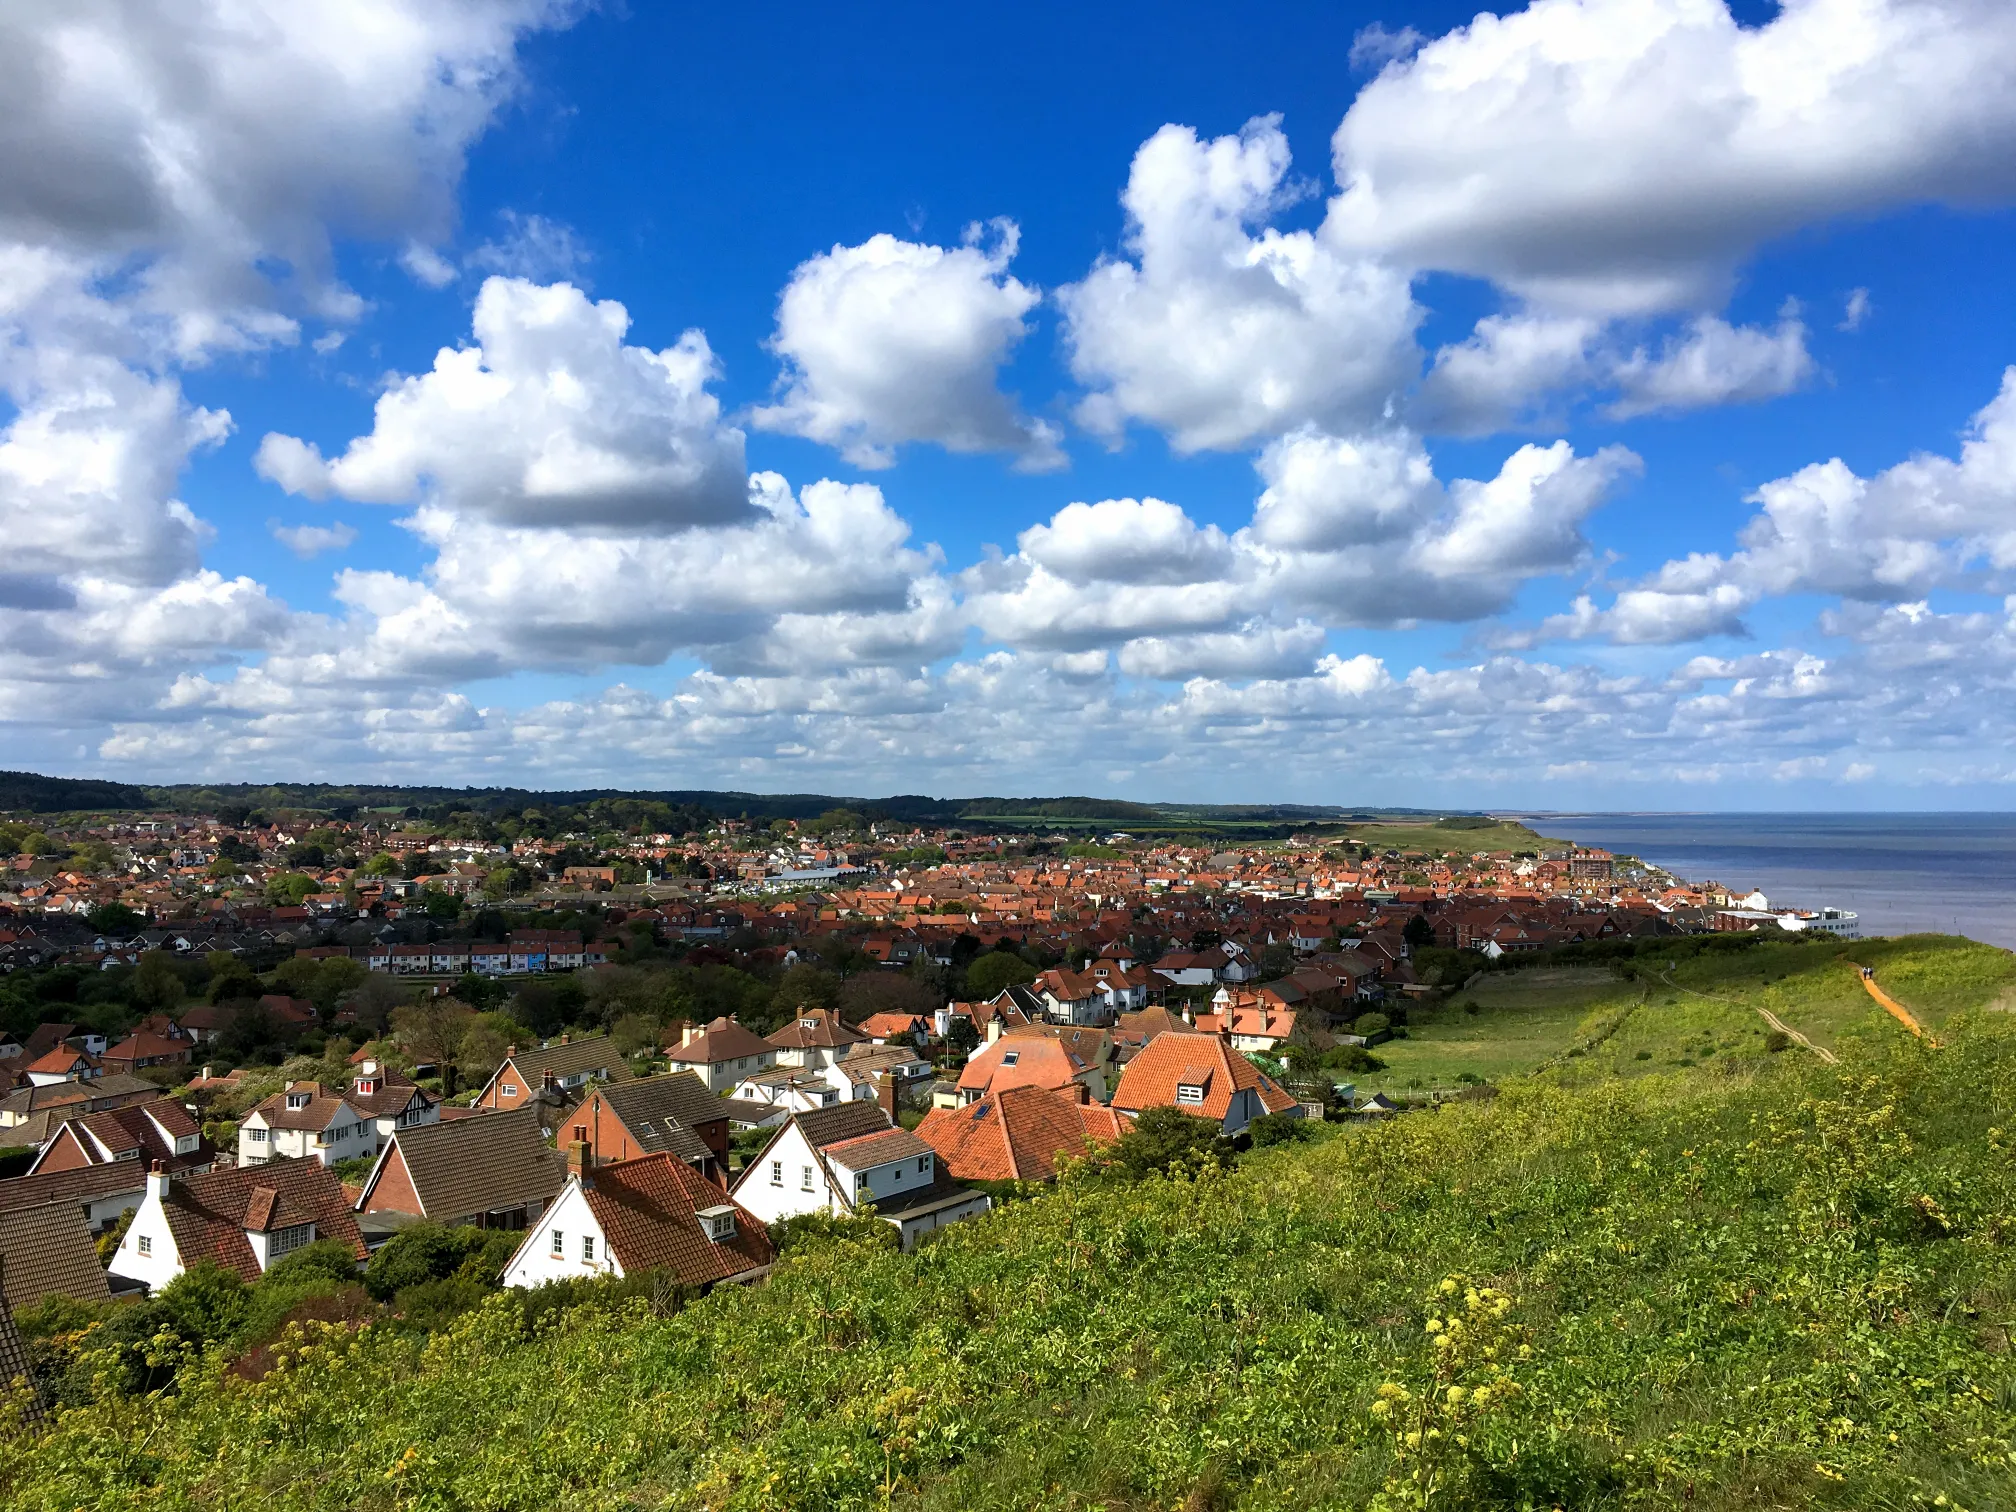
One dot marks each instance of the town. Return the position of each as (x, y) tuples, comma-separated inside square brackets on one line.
[(619, 1038)]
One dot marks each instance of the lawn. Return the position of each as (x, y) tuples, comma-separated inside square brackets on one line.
[(1522, 1019)]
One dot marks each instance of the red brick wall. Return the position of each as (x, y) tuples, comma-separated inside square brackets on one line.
[(394, 1192), (493, 1096), (68, 1155)]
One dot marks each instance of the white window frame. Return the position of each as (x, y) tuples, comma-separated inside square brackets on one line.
[(559, 1244), (1189, 1095), (806, 1184), (776, 1173), (588, 1249), (144, 1243)]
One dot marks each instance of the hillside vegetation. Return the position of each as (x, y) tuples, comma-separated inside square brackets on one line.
[(1756, 1281)]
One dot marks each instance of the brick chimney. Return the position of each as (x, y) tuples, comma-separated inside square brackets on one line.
[(885, 1096), (157, 1179), (579, 1166)]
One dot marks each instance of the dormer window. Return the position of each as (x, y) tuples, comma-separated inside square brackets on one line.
[(717, 1223), (286, 1240), (297, 1099), (1189, 1094), (186, 1143)]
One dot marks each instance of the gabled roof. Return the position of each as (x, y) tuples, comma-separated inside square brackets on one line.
[(394, 1095), (145, 1132), (1016, 1134), (662, 1113), (865, 1151), (848, 1120), (145, 1045), (647, 1212), (570, 1057), (322, 1109), (78, 1185), (48, 1249), (1169, 1060), (722, 1040), (1022, 1060), (209, 1214), (814, 1029), (474, 1165)]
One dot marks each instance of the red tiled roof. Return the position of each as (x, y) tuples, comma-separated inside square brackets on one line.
[(722, 1040), (1169, 1060), (209, 1214), (1016, 1134), (814, 1029), (1037, 1061), (646, 1208)]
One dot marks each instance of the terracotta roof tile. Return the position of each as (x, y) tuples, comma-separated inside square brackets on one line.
[(646, 1208), (1016, 1134), (1171, 1060)]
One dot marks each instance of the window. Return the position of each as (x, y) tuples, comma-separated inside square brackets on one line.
[(776, 1173), (509, 1090), (923, 1164), (1189, 1094), (285, 1241), (559, 1243), (587, 1246), (806, 1185), (1011, 1057), (185, 1143), (145, 1244), (258, 1136)]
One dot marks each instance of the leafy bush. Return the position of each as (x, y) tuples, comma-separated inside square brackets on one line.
[(434, 1252), (1278, 1129), (1164, 1140), (1369, 1024), (329, 1259)]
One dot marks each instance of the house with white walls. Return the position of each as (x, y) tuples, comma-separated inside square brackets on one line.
[(654, 1213), (244, 1219)]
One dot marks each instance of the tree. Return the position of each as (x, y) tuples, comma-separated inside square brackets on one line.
[(432, 1252), (886, 992), (1418, 932), (1163, 1139), (114, 919), (1279, 1128), (805, 986), (431, 1031), (157, 984), (991, 974), (632, 1033), (1369, 1024), (289, 888)]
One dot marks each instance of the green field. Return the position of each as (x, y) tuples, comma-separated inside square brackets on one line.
[(1523, 1018), (1433, 839)]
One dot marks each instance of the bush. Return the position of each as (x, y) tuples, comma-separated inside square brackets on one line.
[(1777, 1040), (1167, 1140), (1279, 1129), (810, 1232), (433, 1305), (433, 1252), (990, 974), (1369, 1024), (330, 1259)]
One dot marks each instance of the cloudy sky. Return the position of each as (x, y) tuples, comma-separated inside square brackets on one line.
[(1608, 403)]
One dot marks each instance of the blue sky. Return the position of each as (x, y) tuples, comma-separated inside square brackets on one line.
[(1483, 382)]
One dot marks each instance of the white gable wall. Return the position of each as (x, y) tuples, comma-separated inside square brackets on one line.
[(778, 1185), (573, 1221), (163, 1262)]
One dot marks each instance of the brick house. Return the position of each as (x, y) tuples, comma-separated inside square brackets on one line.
[(654, 1115)]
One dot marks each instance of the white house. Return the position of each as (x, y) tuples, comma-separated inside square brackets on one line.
[(720, 1054), (243, 1219), (306, 1120), (653, 1213), (839, 1159), (815, 1041)]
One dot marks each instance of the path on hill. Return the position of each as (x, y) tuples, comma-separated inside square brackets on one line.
[(1764, 1013), (1891, 1006)]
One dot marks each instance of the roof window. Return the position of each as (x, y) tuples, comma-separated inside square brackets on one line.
[(1011, 1057), (717, 1223)]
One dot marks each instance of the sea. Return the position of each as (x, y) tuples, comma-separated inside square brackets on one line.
[(1902, 873)]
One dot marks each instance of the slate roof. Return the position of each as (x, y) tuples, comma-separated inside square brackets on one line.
[(848, 1120), (574, 1057), (208, 1214), (646, 1210), (475, 1165), (49, 1249), (662, 1113), (1016, 1135)]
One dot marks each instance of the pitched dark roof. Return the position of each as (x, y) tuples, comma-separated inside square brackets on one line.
[(49, 1249), (575, 1057), (208, 1214), (646, 1208), (93, 1183), (662, 1112), (722, 1040), (476, 1165), (847, 1120)]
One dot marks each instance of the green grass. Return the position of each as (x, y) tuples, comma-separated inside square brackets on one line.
[(1503, 836), (1522, 1020)]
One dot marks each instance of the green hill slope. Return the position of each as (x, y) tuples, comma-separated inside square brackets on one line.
[(1759, 1282)]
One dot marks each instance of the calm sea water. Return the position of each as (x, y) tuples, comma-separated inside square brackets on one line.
[(1901, 872)]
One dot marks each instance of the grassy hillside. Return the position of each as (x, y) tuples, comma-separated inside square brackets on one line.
[(1435, 839), (1759, 1281)]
